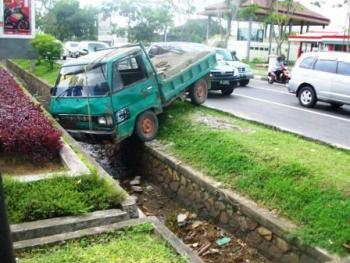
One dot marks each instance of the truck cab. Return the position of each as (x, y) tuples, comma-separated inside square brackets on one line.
[(115, 92)]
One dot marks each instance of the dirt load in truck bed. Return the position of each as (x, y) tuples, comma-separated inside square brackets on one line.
[(172, 63)]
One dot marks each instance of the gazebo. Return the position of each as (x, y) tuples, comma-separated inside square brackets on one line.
[(301, 16)]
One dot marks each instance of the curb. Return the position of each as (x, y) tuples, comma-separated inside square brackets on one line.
[(159, 229), (61, 225)]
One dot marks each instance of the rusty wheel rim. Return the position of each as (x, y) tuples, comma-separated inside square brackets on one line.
[(147, 126), (200, 90)]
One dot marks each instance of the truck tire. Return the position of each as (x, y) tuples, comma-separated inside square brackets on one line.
[(146, 126), (244, 83), (227, 91), (199, 92)]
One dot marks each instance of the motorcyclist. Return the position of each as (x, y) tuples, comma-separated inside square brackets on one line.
[(279, 66)]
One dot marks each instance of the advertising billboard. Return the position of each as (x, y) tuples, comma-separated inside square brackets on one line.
[(17, 19)]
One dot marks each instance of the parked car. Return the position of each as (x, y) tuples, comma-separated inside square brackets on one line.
[(321, 76), (87, 47), (71, 49), (224, 77), (230, 58)]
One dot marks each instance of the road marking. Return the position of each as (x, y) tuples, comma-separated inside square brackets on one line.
[(277, 91), (293, 107)]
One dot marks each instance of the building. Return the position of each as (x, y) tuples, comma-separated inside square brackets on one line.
[(321, 41), (262, 44)]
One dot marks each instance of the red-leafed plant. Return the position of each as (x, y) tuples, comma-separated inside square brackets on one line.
[(24, 129)]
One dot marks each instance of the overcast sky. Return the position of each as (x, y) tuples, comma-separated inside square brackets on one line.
[(337, 15)]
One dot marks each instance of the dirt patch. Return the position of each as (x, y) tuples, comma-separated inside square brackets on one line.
[(17, 166), (202, 236), (219, 123)]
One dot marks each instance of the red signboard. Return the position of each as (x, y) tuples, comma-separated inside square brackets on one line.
[(17, 18)]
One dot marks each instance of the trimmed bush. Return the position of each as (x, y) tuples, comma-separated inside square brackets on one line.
[(24, 129), (59, 196)]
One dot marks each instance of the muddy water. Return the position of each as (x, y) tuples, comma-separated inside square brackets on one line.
[(199, 234)]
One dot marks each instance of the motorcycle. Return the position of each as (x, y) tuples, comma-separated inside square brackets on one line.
[(282, 78), (16, 19)]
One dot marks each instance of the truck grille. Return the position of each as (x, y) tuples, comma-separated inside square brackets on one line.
[(74, 118), (241, 70), (222, 74)]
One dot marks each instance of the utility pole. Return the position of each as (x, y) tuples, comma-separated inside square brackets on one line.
[(6, 248)]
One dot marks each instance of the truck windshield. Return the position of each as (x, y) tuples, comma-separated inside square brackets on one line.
[(73, 82), (224, 55)]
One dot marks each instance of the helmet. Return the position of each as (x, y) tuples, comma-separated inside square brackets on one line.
[(281, 58)]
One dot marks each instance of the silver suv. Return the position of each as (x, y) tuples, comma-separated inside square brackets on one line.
[(321, 76)]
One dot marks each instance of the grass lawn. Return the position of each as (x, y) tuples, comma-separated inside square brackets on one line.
[(305, 181), (136, 244), (42, 70), (59, 196)]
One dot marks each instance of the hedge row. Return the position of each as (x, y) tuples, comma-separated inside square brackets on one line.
[(24, 129)]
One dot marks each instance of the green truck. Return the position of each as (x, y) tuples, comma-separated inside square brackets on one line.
[(117, 92)]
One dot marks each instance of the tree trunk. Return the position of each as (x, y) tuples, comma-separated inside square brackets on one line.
[(249, 39), (228, 33), (270, 38)]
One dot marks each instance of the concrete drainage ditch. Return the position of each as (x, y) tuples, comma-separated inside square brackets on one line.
[(221, 212), (256, 227)]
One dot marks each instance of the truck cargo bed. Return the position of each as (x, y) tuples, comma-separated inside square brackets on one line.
[(172, 63), (179, 70)]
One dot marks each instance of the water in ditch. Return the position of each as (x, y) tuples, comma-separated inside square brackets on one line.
[(202, 236)]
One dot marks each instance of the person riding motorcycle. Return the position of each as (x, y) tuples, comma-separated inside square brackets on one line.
[(279, 66)]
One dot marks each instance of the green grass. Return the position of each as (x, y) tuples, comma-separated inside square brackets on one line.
[(59, 196), (136, 244), (305, 181), (41, 70)]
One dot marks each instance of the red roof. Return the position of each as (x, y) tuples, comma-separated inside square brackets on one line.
[(301, 15)]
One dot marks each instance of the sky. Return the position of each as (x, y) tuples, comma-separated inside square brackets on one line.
[(337, 15)]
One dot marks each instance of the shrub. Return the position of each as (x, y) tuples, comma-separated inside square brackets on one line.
[(48, 48), (59, 196), (24, 129)]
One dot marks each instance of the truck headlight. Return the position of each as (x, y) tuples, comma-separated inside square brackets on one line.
[(235, 73), (105, 121), (102, 121)]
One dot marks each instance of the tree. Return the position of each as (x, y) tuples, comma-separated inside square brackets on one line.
[(249, 13), (145, 22), (47, 47), (67, 21), (281, 19), (232, 10), (193, 31)]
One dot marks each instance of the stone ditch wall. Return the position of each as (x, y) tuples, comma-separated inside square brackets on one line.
[(37, 87), (258, 227)]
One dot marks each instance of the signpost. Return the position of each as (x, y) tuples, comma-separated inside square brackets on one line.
[(6, 249)]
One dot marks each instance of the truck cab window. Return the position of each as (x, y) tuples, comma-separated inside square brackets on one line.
[(128, 71)]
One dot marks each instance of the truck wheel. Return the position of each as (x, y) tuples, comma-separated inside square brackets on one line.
[(227, 91), (147, 126), (199, 92), (244, 83)]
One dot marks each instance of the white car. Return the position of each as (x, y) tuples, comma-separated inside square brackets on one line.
[(71, 49), (321, 76), (86, 47)]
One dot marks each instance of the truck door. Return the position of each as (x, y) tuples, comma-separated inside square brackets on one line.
[(134, 91), (341, 87)]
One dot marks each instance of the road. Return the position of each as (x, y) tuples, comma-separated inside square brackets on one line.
[(273, 105)]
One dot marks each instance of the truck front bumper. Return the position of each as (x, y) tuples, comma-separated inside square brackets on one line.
[(95, 135), (224, 82), (246, 76)]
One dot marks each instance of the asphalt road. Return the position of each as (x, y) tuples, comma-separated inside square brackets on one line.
[(273, 105)]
